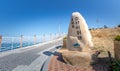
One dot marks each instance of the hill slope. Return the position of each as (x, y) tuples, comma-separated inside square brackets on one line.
[(103, 39)]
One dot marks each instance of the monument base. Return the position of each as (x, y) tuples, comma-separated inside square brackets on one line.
[(77, 58)]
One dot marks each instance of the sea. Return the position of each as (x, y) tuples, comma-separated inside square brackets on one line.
[(11, 43), (11, 46)]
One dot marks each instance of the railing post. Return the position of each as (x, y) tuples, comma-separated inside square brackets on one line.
[(35, 39), (21, 38), (12, 42), (0, 41), (44, 37), (55, 36), (50, 36)]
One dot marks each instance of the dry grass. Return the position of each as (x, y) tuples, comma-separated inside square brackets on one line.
[(103, 40)]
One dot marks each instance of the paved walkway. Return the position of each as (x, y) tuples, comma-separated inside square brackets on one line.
[(57, 64), (27, 59)]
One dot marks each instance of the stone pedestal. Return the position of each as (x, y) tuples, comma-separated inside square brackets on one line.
[(77, 58), (117, 49)]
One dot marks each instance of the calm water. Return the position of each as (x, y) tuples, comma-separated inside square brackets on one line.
[(10, 43), (11, 46)]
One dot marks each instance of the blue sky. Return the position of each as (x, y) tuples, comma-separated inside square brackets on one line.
[(29, 17)]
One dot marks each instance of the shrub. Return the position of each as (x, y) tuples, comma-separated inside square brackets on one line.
[(90, 29), (117, 38), (105, 26), (114, 65), (65, 37), (119, 25)]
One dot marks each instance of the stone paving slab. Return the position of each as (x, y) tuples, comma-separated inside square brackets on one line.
[(38, 63), (26, 59)]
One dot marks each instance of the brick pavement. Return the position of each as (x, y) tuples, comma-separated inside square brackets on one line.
[(57, 64)]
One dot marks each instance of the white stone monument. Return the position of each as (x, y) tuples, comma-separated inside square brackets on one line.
[(79, 36), (79, 42)]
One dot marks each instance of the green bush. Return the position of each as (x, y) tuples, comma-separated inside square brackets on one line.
[(117, 38), (114, 65)]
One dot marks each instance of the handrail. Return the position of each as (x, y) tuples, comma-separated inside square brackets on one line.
[(9, 43)]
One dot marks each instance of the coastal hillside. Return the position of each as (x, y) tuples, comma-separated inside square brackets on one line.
[(103, 39)]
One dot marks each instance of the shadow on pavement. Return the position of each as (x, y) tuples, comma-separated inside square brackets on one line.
[(59, 56), (50, 52), (102, 64)]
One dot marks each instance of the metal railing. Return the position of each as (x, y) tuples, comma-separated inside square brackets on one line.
[(10, 43)]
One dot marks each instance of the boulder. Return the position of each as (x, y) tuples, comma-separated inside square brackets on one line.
[(77, 58)]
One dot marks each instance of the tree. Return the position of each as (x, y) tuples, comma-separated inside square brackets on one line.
[(119, 25), (105, 26)]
